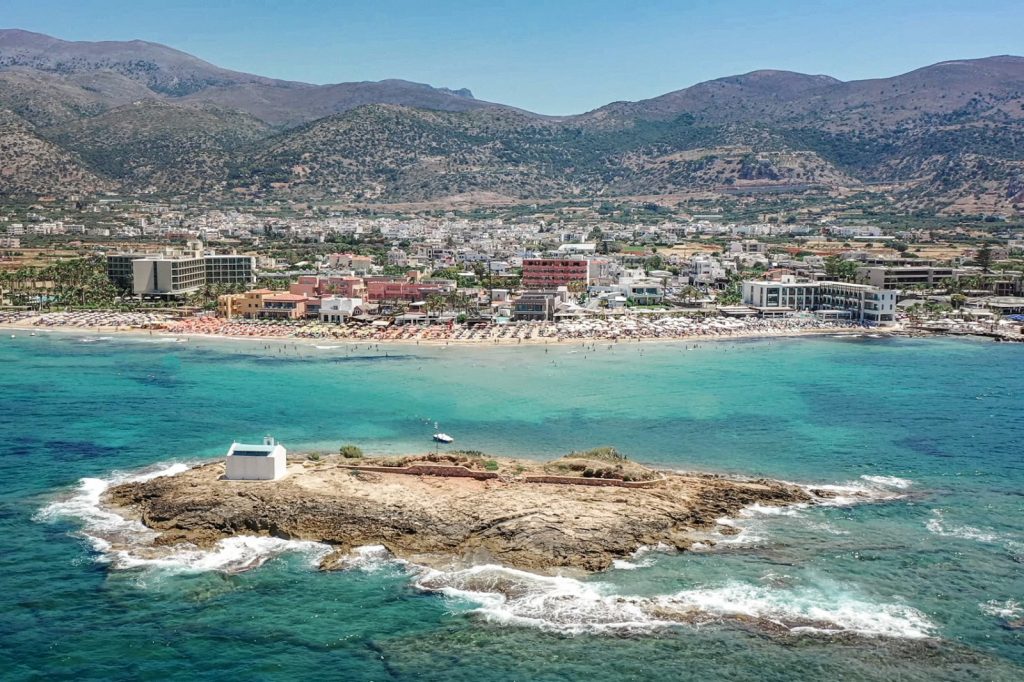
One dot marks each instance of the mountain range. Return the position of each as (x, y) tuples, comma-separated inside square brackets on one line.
[(81, 117)]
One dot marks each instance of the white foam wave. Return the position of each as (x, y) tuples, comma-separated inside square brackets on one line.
[(230, 555), (126, 543), (102, 526), (512, 597), (643, 557), (849, 494), (769, 510), (326, 347), (1008, 609), (749, 520), (623, 565), (889, 481), (937, 525), (371, 558)]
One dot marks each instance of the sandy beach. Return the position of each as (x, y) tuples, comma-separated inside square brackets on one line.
[(623, 329)]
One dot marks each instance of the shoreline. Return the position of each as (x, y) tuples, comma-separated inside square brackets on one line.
[(738, 335), (442, 518)]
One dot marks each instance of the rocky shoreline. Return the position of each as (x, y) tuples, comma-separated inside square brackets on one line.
[(442, 521)]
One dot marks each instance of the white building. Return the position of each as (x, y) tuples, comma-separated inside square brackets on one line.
[(641, 291), (266, 462), (337, 309), (705, 270), (859, 302)]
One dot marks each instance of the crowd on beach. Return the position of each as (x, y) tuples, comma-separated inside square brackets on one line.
[(618, 328), (622, 328), (630, 328), (98, 319)]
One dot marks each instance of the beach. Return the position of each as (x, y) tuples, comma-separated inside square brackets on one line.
[(611, 330)]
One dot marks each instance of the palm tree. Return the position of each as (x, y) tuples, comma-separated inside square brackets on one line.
[(436, 304)]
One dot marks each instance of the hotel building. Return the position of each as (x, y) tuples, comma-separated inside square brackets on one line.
[(550, 273), (859, 302), (178, 274)]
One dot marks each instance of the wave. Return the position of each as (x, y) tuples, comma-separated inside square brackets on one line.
[(867, 489), (889, 481), (643, 557), (746, 524), (1008, 609), (937, 525), (128, 544), (230, 555), (560, 604)]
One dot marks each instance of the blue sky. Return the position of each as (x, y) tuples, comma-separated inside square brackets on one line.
[(551, 57)]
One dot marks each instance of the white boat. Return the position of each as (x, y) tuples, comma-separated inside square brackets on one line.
[(443, 438)]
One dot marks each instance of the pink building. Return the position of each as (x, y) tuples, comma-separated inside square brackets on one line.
[(313, 286), (391, 290), (551, 273)]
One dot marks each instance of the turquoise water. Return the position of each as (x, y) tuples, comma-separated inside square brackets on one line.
[(921, 582)]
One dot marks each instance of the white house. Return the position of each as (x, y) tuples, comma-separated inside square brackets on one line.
[(338, 308), (266, 462)]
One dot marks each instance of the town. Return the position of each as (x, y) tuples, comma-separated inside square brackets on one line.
[(552, 275)]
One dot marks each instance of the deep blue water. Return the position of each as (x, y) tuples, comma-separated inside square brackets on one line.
[(924, 582)]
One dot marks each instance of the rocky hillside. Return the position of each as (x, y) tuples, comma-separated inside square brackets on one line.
[(30, 164), (144, 117), (101, 75), (395, 153), (158, 146)]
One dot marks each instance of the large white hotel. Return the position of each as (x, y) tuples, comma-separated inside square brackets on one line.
[(859, 302), (178, 274)]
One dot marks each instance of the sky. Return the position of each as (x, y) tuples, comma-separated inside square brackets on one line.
[(553, 57)]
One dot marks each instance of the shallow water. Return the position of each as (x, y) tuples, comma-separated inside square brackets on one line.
[(921, 582)]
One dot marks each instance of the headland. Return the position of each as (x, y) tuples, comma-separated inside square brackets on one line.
[(580, 512)]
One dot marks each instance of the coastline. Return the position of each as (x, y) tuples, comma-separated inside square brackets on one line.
[(21, 326), (518, 517)]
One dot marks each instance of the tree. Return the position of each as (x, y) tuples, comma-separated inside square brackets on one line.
[(983, 258), (690, 293), (435, 304), (839, 269)]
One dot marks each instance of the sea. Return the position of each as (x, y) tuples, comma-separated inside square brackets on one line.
[(913, 571)]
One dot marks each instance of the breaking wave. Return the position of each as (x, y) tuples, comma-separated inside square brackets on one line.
[(747, 527), (127, 544), (511, 597), (1008, 609), (938, 525), (867, 489), (889, 481)]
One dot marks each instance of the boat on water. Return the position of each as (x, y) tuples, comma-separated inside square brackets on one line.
[(443, 438)]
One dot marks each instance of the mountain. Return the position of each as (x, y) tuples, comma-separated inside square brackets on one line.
[(791, 98), (103, 75), (144, 117), (161, 146), (32, 165)]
